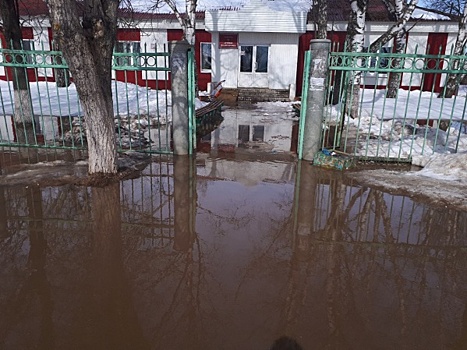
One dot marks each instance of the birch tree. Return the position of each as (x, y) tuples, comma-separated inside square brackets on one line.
[(354, 43), (402, 13), (187, 19), (321, 18), (23, 111), (86, 32), (453, 79)]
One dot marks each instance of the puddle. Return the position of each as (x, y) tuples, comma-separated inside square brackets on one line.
[(229, 253), (270, 128), (233, 250)]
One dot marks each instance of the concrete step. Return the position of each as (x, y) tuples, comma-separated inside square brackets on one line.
[(262, 95)]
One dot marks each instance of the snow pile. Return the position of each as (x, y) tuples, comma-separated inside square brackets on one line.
[(416, 105), (446, 167), (405, 138), (129, 100), (390, 128)]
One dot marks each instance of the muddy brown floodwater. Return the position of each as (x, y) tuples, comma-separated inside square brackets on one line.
[(234, 250), (226, 252)]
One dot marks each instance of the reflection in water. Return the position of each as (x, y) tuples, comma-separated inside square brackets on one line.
[(184, 194), (108, 314), (222, 254), (208, 123)]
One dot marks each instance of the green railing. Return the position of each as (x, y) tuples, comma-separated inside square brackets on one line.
[(141, 94), (363, 119)]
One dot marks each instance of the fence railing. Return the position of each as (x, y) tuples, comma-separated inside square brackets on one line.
[(368, 119), (141, 95)]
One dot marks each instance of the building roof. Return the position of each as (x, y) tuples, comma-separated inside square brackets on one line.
[(338, 10)]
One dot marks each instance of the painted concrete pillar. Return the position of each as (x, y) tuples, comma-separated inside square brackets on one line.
[(179, 73), (316, 97)]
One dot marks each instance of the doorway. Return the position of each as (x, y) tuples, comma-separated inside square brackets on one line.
[(254, 66)]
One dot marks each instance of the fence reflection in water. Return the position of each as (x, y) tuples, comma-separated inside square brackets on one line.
[(192, 256)]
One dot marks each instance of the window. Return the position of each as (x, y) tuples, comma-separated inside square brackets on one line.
[(28, 45), (243, 133), (246, 59), (383, 62), (130, 48), (262, 59), (206, 56), (376, 61), (257, 54), (258, 133)]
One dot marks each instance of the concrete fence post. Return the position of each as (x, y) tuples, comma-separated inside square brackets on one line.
[(179, 82), (316, 97)]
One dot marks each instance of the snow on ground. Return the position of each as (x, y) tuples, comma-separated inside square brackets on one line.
[(391, 127), (129, 99)]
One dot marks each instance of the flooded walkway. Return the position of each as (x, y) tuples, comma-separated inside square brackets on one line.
[(232, 250)]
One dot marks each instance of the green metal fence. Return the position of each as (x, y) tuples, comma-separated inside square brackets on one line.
[(362, 118), (141, 94)]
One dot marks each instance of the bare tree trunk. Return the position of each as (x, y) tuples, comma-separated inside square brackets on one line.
[(23, 111), (453, 79), (322, 20), (355, 39), (395, 78), (86, 34)]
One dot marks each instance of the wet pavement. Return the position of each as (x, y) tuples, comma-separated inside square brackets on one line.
[(233, 250)]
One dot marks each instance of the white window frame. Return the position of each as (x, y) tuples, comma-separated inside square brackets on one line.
[(202, 56)]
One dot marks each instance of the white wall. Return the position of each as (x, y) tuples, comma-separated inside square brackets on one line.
[(224, 64), (283, 56), (41, 42)]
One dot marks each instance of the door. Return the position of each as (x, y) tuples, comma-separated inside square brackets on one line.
[(254, 66), (436, 46)]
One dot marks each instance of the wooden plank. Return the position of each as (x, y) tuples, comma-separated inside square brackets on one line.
[(211, 107)]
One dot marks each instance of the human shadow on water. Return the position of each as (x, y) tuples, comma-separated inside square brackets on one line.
[(285, 343)]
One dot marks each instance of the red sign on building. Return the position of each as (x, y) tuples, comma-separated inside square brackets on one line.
[(228, 41)]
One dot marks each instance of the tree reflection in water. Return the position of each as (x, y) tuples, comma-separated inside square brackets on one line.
[(178, 260)]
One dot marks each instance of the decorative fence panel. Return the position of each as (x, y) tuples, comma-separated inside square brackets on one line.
[(141, 95), (364, 117)]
